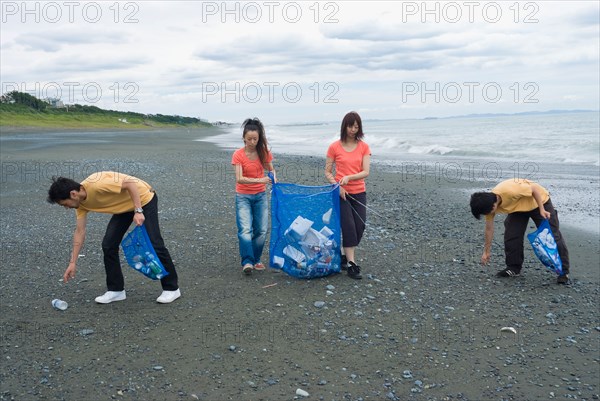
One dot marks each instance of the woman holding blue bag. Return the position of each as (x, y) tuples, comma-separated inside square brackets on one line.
[(251, 204), (351, 157)]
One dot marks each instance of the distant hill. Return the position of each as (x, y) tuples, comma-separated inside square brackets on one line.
[(23, 110), (525, 113)]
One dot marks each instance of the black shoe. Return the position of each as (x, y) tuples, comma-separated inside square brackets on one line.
[(344, 264), (354, 271), (508, 272), (563, 279)]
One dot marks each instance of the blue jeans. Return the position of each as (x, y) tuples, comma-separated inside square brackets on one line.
[(252, 218)]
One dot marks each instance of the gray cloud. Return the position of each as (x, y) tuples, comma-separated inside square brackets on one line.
[(377, 33), (86, 63), (301, 54), (586, 18), (369, 53), (52, 41)]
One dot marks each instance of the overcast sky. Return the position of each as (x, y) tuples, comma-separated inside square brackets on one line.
[(305, 61)]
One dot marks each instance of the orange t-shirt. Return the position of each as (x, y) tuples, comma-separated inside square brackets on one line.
[(105, 194), (517, 196), (250, 169), (349, 163)]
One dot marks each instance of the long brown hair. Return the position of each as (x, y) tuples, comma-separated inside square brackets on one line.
[(348, 121), (262, 147)]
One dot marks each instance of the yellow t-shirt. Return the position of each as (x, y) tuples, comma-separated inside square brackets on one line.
[(106, 195), (517, 196)]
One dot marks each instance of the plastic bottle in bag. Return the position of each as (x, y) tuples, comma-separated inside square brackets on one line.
[(154, 267)]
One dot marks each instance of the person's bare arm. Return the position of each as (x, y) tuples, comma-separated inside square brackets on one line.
[(488, 238), (240, 179), (538, 198), (331, 178), (130, 186), (78, 240)]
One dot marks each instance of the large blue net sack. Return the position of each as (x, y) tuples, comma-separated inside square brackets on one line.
[(305, 230), (544, 246), (140, 254)]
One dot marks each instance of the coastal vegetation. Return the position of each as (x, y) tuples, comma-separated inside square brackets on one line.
[(18, 109)]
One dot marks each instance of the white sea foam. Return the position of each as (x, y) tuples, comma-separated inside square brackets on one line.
[(561, 151), (563, 138)]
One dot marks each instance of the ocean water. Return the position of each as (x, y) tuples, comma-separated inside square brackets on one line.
[(561, 151)]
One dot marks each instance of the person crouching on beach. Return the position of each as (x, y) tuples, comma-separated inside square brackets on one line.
[(251, 205), (128, 199), (521, 199), (351, 157)]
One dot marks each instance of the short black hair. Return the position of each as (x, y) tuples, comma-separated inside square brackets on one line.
[(482, 203), (61, 189)]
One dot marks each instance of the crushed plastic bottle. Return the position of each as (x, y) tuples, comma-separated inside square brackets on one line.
[(59, 304)]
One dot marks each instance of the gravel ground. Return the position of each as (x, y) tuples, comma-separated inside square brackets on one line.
[(424, 323)]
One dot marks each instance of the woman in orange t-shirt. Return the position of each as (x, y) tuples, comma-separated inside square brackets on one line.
[(351, 157), (251, 207)]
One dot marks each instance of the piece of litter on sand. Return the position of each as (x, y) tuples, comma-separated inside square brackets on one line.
[(269, 285), (509, 329)]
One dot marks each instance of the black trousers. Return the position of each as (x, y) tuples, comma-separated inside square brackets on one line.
[(353, 216), (514, 233), (116, 230)]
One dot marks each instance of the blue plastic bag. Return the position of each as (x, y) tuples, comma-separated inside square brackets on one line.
[(305, 230), (543, 244), (140, 254)]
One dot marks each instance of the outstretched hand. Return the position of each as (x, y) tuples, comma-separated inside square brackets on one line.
[(485, 258), (69, 273)]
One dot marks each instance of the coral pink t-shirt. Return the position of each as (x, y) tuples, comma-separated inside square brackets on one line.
[(250, 169), (349, 163)]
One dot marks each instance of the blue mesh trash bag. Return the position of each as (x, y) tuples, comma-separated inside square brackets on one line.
[(543, 244), (305, 230), (140, 254)]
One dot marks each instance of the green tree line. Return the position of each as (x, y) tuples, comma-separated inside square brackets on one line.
[(25, 99)]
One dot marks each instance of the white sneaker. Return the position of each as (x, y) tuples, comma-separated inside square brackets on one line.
[(111, 296), (168, 296)]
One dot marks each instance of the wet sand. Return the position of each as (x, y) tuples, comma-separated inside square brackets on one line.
[(423, 324)]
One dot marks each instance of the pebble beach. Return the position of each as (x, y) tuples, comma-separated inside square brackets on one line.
[(427, 322)]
